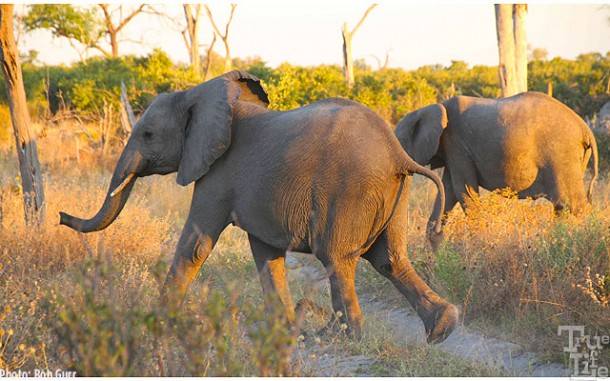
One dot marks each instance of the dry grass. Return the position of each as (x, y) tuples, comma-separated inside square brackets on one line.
[(519, 272), (90, 302)]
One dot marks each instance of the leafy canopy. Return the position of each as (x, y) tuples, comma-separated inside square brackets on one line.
[(66, 20)]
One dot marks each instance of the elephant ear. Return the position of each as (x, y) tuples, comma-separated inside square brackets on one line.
[(210, 112), (419, 132)]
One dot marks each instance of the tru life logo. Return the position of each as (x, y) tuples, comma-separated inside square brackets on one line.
[(584, 351)]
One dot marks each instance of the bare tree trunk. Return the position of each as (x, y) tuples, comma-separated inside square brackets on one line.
[(512, 48), (348, 63), (114, 44), (105, 128), (128, 119), (113, 29), (224, 37), (192, 14), (506, 49), (208, 64), (520, 17), (27, 152)]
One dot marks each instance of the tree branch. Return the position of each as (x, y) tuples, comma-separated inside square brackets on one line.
[(362, 19), (186, 40), (230, 19), (131, 16), (209, 12), (107, 17), (104, 51)]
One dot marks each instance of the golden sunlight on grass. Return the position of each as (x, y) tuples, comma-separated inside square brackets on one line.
[(90, 302)]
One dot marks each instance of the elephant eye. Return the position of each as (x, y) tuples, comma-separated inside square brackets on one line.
[(148, 135)]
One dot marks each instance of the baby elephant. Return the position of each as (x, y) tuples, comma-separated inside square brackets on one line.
[(529, 142), (329, 179)]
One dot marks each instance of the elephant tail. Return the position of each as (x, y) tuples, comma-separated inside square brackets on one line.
[(411, 166), (593, 147)]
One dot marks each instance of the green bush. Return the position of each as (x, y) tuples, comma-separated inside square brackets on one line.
[(451, 269), (84, 86)]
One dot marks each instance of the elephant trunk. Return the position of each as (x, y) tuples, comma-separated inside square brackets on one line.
[(123, 180), (413, 167)]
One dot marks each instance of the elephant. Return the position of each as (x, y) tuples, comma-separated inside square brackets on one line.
[(328, 178), (530, 142)]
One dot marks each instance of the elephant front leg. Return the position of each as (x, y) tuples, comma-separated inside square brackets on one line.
[(194, 247), (450, 201), (272, 273)]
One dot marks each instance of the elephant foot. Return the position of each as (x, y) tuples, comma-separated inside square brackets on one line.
[(440, 324)]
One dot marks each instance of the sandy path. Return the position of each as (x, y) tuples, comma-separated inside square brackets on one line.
[(464, 342)]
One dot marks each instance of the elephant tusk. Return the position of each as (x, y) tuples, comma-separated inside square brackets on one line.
[(122, 185)]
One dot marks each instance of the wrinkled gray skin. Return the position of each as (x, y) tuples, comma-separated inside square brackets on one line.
[(530, 142), (327, 179)]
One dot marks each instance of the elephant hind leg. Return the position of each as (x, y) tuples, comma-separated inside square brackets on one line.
[(343, 296), (438, 315), (272, 273), (566, 190)]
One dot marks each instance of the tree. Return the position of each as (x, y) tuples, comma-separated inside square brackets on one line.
[(208, 60), (83, 27), (113, 28), (348, 65), (224, 37), (192, 13), (512, 47), (27, 151), (80, 26)]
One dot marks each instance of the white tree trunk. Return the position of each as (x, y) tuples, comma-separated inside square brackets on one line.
[(192, 13), (506, 49), (520, 17), (348, 64), (512, 48)]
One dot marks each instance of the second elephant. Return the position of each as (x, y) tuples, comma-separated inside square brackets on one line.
[(529, 142)]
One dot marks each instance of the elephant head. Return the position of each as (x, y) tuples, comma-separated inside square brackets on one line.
[(419, 132), (184, 131)]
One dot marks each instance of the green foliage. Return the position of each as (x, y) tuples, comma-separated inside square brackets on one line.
[(293, 86), (101, 336), (458, 79), (85, 85), (450, 268), (272, 341), (392, 92), (563, 250), (106, 335), (582, 84), (65, 20)]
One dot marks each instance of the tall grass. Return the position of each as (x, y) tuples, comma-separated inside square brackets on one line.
[(511, 264), (89, 302)]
